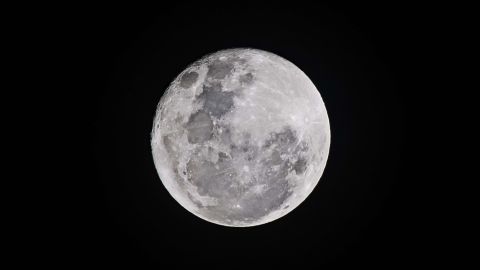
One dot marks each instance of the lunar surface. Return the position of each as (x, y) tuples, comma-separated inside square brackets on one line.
[(241, 137)]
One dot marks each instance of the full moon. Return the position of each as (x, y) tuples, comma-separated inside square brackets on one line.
[(240, 137)]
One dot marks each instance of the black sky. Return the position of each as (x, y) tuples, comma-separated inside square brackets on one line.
[(362, 213)]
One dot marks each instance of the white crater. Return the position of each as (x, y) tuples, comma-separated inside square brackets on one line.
[(241, 137)]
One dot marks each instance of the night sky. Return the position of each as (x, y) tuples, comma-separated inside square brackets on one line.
[(362, 212)]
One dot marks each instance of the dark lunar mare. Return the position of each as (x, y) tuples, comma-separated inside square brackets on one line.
[(246, 78), (188, 79), (222, 182), (199, 127), (216, 101), (219, 69)]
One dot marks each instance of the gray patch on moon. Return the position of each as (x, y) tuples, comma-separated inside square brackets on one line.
[(219, 69), (216, 102), (284, 137), (167, 141), (300, 165), (224, 134), (250, 196), (279, 144), (199, 127), (222, 156), (246, 78), (209, 180), (188, 79)]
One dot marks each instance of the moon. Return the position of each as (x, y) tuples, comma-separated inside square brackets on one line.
[(240, 137)]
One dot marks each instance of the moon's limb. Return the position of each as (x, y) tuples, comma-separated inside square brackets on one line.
[(241, 137)]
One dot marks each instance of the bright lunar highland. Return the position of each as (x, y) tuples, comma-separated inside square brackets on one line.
[(241, 137)]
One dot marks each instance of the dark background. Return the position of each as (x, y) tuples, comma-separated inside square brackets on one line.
[(365, 211)]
